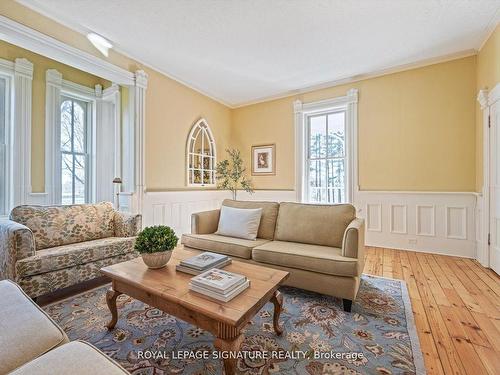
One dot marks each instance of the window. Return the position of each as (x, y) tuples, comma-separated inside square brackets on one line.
[(4, 199), (201, 158), (74, 151), (326, 132), (326, 158)]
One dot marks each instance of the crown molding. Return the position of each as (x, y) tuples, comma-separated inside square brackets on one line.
[(30, 39), (490, 29), (59, 18), (39, 8), (362, 77)]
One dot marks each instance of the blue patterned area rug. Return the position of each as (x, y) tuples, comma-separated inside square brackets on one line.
[(377, 337)]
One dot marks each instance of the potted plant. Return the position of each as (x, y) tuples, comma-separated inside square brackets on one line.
[(155, 244), (231, 174)]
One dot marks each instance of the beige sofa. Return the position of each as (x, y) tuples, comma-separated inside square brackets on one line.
[(32, 343), (322, 246), (45, 248)]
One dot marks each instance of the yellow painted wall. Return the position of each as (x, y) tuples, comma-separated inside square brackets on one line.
[(416, 129), (171, 108), (40, 66), (488, 75)]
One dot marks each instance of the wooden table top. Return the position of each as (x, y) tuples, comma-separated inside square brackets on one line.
[(173, 286)]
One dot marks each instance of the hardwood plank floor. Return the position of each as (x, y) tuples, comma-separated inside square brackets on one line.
[(456, 303)]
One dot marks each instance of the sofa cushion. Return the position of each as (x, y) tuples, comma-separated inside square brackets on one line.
[(26, 331), (239, 222), (43, 283), (323, 259), (75, 358), (60, 257), (237, 247), (314, 224), (268, 218), (62, 225)]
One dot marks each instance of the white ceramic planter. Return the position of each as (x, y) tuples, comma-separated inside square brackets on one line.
[(156, 260)]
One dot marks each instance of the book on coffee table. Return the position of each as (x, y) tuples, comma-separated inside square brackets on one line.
[(194, 271), (224, 297), (219, 284), (202, 262)]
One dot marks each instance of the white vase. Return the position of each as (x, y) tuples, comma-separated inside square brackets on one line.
[(156, 260)]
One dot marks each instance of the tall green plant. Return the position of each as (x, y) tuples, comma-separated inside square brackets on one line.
[(231, 174)]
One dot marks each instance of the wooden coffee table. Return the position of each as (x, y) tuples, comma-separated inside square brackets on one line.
[(168, 290)]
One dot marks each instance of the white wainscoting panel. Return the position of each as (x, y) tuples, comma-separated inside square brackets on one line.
[(174, 208), (426, 220), (374, 217), (399, 219), (435, 222), (441, 223)]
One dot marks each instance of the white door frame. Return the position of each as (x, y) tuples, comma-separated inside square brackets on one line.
[(486, 99)]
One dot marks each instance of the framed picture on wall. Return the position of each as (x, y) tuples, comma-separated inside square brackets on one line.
[(264, 160)]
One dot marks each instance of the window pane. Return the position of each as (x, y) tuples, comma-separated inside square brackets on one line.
[(79, 127), (335, 181), (336, 134), (317, 136), (73, 145), (206, 144), (206, 177), (67, 179), (197, 143), (317, 180), (79, 177), (66, 132)]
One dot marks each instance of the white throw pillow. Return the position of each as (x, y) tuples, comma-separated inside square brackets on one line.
[(239, 222)]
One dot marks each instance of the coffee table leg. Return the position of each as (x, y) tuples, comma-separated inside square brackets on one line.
[(111, 296), (277, 300), (229, 345)]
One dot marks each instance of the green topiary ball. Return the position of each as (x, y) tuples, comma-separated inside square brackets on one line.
[(156, 239)]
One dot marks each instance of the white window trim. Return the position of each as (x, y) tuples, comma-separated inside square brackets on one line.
[(133, 168), (189, 152), (56, 87), (348, 102), (19, 76)]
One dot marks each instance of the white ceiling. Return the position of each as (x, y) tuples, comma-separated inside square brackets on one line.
[(242, 51)]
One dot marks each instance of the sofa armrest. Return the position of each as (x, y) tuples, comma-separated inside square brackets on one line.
[(205, 222), (16, 242), (353, 244), (127, 225)]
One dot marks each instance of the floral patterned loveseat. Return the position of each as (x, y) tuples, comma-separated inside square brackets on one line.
[(45, 248)]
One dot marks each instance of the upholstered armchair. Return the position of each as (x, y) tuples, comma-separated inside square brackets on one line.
[(45, 248)]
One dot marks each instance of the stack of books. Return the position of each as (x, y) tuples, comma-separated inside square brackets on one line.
[(219, 284), (203, 262)]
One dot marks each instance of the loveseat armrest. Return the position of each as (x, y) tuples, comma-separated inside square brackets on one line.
[(16, 242), (205, 222), (127, 225), (353, 243)]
